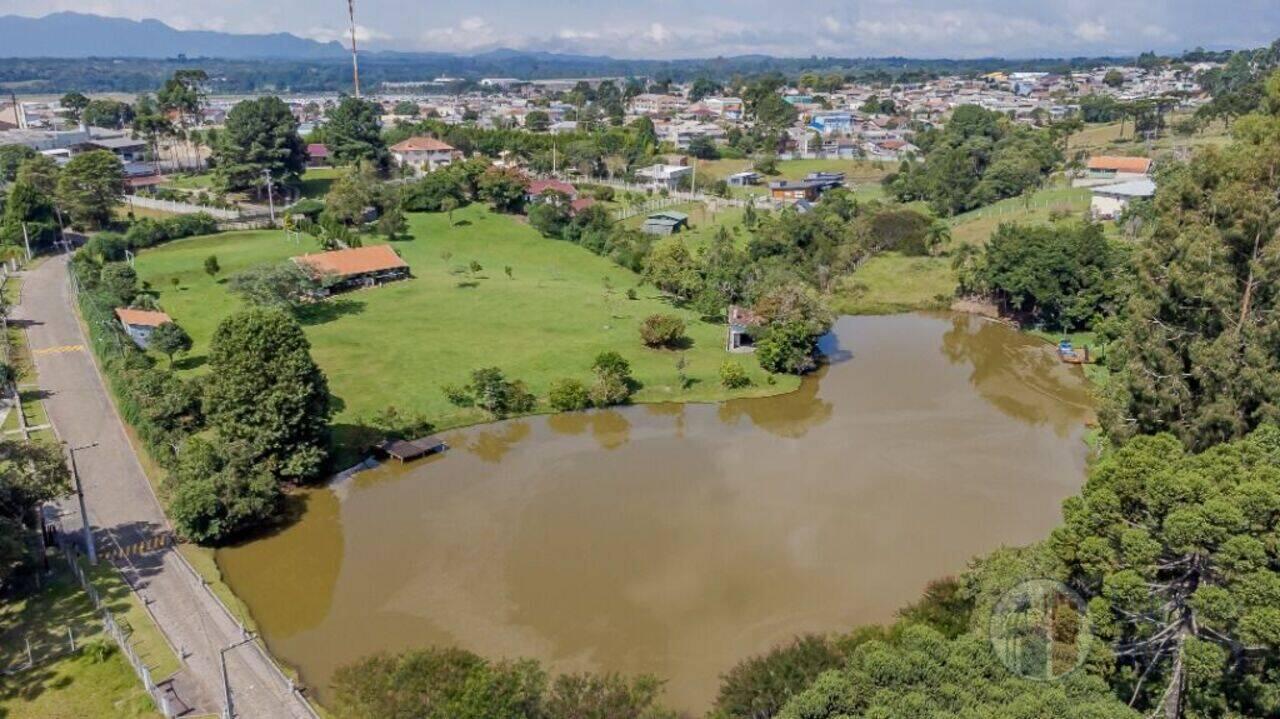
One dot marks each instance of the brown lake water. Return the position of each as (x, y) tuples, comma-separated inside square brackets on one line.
[(679, 539)]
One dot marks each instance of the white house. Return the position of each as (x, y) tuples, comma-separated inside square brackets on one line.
[(1110, 200), (659, 176), (139, 324), (424, 154)]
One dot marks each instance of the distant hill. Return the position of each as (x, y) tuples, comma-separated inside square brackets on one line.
[(77, 35)]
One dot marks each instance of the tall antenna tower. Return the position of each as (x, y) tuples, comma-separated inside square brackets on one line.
[(355, 63)]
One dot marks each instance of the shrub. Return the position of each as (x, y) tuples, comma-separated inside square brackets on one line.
[(614, 383), (569, 395), (733, 376), (662, 330), (491, 391)]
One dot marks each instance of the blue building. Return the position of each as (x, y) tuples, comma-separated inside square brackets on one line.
[(830, 123)]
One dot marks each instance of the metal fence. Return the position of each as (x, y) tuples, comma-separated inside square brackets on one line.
[(112, 629)]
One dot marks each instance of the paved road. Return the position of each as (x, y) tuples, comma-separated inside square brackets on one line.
[(125, 514)]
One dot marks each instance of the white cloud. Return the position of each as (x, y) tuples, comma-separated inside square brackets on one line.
[(343, 34), (471, 33), (831, 24), (1092, 31), (658, 33)]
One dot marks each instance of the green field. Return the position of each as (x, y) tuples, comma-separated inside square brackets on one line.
[(77, 685), (316, 181), (398, 344), (974, 228), (1106, 138), (890, 282)]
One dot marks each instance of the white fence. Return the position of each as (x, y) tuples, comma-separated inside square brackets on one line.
[(180, 208)]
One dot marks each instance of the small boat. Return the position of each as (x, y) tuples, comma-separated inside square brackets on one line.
[(1067, 353)]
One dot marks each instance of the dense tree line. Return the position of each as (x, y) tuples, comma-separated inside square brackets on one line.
[(1198, 352), (979, 157)]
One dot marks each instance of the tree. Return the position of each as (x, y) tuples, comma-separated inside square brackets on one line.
[(703, 87), (662, 331), (920, 673), (568, 395), (792, 319), (733, 375), (284, 285), (438, 684), (74, 103), (407, 108), (605, 696), (118, 283), (219, 492), (448, 205), (107, 113), (169, 339), (211, 266), (353, 134), (11, 156), (1200, 311), (491, 391), (1113, 78), (261, 135), (671, 268), (90, 186), (266, 392), (704, 148), (613, 384), (758, 687), (537, 121), (31, 473), (352, 194), (1064, 276), (503, 188), (1177, 554)]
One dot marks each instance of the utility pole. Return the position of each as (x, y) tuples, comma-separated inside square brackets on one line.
[(271, 202), (355, 62), (26, 239), (84, 513)]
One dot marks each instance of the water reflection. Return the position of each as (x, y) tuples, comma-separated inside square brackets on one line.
[(1016, 373), (792, 415), (677, 539), (494, 442)]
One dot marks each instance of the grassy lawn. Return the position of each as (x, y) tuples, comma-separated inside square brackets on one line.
[(317, 180), (74, 687), (1107, 139), (192, 182), (974, 228), (397, 345), (77, 685), (890, 282)]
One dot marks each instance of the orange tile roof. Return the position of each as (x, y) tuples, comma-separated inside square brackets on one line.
[(1120, 164), (354, 261), (422, 144), (141, 318)]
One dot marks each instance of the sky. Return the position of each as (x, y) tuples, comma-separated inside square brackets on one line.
[(709, 28)]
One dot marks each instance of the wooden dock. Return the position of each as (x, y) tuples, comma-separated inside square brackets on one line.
[(406, 450)]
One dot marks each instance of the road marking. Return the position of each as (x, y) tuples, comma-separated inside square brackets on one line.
[(152, 543), (58, 350)]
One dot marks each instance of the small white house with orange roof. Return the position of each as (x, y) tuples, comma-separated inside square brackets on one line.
[(139, 324)]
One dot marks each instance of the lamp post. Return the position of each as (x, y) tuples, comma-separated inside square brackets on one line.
[(84, 512)]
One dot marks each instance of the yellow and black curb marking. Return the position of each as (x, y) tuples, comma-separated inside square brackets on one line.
[(150, 544), (58, 350)]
